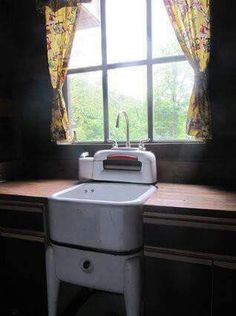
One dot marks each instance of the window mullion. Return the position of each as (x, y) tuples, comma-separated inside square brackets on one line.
[(149, 71), (104, 71)]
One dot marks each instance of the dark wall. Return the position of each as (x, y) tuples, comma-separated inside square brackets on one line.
[(209, 163), (7, 124), (7, 50), (223, 75)]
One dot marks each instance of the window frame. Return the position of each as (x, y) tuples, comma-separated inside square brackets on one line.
[(149, 62)]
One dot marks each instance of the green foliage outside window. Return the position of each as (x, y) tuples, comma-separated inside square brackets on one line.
[(172, 84)]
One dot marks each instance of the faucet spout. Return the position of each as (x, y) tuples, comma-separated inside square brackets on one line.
[(127, 125)]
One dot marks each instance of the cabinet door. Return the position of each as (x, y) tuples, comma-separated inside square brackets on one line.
[(24, 277), (224, 294), (175, 287)]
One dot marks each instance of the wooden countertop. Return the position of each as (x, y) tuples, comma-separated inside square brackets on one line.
[(194, 196), (171, 197), (184, 198), (34, 189)]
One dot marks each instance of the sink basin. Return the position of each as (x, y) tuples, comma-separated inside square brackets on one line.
[(99, 215), (106, 193)]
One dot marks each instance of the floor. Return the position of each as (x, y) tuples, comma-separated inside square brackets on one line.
[(103, 304)]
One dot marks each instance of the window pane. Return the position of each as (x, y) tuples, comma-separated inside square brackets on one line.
[(172, 87), (127, 91), (164, 39), (86, 49), (86, 105), (126, 30)]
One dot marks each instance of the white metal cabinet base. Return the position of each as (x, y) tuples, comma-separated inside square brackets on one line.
[(108, 272)]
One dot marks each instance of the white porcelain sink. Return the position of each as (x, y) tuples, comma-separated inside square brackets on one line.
[(99, 215), (107, 193)]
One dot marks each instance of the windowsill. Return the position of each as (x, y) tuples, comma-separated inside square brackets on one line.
[(133, 144)]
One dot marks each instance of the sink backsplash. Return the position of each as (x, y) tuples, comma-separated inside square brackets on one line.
[(168, 171), (11, 170)]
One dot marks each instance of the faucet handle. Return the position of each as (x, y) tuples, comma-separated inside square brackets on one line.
[(141, 145), (114, 143)]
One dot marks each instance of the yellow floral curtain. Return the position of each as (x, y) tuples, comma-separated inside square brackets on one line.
[(60, 29), (191, 22)]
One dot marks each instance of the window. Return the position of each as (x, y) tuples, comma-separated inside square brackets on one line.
[(125, 56)]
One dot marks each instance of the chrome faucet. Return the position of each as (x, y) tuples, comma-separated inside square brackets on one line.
[(127, 125)]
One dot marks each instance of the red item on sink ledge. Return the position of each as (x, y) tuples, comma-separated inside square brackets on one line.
[(122, 157)]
